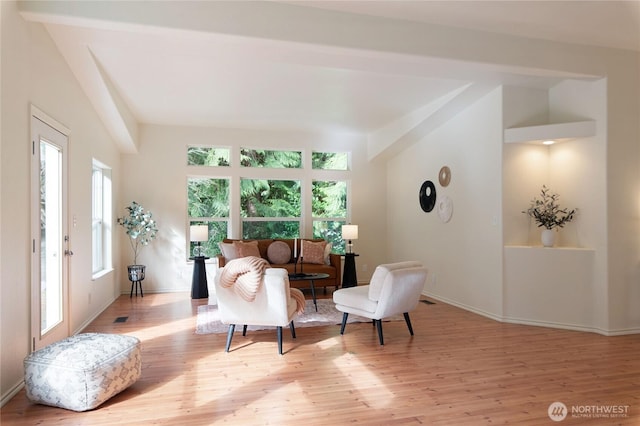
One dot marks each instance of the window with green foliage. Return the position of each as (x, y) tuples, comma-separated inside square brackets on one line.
[(207, 156), (208, 203), (270, 205), (270, 159), (265, 229), (329, 160), (329, 210), (270, 208)]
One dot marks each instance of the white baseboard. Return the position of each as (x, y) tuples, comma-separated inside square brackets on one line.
[(463, 306), (11, 393), (537, 323), (91, 319)]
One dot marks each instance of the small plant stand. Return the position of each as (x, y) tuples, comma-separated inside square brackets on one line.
[(136, 275)]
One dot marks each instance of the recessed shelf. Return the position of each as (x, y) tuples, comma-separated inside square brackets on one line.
[(558, 132)]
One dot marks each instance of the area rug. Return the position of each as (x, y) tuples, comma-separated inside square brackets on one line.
[(208, 319)]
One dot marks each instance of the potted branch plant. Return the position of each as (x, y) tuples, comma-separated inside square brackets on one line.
[(141, 229), (547, 213)]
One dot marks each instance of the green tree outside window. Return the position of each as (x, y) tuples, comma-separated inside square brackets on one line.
[(329, 210), (329, 160), (208, 203), (207, 156), (270, 199), (270, 159)]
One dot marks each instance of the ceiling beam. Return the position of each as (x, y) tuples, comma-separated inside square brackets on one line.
[(117, 112), (283, 22), (401, 134)]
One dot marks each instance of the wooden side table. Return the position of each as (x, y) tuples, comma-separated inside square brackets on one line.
[(349, 278), (199, 285)]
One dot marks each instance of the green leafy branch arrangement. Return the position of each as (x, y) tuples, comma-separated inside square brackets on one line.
[(140, 227), (547, 212)]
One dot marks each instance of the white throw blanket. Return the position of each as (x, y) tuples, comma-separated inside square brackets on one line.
[(299, 296), (245, 275)]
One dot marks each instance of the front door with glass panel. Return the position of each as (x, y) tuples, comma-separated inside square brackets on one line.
[(49, 236)]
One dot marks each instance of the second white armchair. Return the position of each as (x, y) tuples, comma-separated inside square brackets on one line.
[(394, 289)]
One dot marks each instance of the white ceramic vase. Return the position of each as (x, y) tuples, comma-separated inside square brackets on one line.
[(548, 237)]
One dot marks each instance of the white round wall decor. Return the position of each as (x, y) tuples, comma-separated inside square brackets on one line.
[(445, 208)]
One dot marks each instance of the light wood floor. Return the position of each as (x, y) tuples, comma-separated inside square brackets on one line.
[(458, 369)]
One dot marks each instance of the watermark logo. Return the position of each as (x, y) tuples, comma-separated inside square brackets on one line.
[(557, 411)]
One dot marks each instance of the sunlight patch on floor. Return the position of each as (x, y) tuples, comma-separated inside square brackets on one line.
[(168, 328), (272, 405), (327, 343), (363, 380)]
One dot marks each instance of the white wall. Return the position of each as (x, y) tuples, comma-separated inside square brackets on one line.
[(33, 72), (623, 192), (578, 170), (553, 287), (464, 256), (156, 177)]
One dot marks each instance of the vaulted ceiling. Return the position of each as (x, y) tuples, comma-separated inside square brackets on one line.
[(315, 65)]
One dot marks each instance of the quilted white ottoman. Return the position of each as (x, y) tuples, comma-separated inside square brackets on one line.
[(81, 372)]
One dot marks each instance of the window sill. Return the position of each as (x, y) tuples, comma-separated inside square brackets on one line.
[(101, 274)]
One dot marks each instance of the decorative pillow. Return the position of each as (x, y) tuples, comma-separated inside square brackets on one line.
[(248, 248), (278, 253), (228, 251), (313, 251), (327, 252)]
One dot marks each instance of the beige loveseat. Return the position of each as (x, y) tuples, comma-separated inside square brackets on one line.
[(329, 264)]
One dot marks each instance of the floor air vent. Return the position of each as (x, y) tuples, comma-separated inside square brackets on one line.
[(121, 319)]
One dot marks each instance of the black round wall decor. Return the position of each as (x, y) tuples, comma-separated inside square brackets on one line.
[(427, 196)]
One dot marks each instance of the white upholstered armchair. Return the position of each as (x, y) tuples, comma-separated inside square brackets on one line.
[(270, 302), (394, 289)]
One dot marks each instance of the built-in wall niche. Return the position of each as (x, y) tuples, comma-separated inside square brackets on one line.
[(543, 134), (575, 268), (527, 165)]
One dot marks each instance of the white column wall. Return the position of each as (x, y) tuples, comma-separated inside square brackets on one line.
[(464, 256)]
